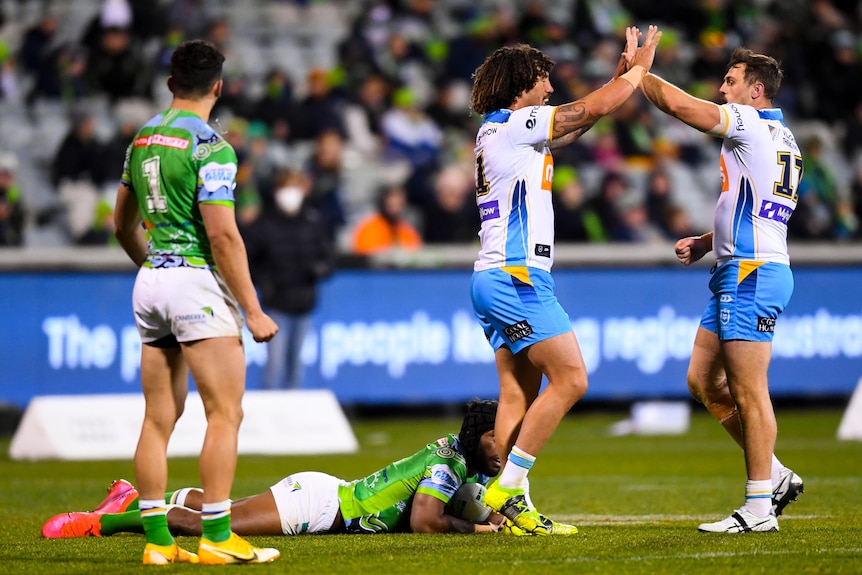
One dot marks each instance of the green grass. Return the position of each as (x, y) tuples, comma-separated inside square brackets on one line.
[(637, 501)]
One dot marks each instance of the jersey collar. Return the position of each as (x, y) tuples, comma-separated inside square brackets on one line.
[(498, 116), (771, 114)]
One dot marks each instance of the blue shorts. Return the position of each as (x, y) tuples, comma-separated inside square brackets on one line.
[(747, 298), (515, 313)]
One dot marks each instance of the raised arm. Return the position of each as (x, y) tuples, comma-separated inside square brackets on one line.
[(575, 118), (700, 114)]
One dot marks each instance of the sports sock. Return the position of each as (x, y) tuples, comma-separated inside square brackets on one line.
[(516, 469), (776, 470), (215, 522), (155, 521), (758, 497), (128, 522), (178, 497)]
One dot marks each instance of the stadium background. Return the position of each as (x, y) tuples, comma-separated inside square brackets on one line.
[(297, 78)]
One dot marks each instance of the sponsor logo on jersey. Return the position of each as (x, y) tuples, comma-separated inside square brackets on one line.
[(486, 132), (216, 176), (443, 476), (740, 126), (543, 250), (548, 173), (161, 140), (774, 211), (518, 330), (489, 210), (531, 121), (766, 324)]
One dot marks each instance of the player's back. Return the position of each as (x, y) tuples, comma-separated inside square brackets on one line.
[(761, 167), (176, 161), (379, 501)]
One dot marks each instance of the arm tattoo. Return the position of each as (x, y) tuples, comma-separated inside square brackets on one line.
[(573, 118)]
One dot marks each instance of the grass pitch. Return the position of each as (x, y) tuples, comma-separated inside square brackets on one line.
[(637, 501)]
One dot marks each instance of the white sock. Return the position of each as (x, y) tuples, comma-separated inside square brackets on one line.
[(758, 497), (776, 470), (517, 466)]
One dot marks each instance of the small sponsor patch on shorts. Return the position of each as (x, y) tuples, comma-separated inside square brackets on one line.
[(766, 324), (518, 331), (543, 250)]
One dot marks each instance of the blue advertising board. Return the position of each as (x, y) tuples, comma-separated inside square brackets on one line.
[(410, 336)]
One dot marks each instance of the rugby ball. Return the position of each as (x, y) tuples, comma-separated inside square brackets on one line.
[(469, 503)]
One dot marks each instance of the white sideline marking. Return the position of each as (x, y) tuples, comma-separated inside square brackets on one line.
[(707, 555), (594, 520)]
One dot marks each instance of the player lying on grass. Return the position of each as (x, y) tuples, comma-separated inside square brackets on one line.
[(408, 495)]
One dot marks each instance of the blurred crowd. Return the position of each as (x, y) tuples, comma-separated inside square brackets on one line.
[(366, 103)]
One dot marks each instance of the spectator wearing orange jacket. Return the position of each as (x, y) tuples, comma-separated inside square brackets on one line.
[(387, 228)]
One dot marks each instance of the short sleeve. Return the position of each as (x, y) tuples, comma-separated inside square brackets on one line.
[(531, 126)]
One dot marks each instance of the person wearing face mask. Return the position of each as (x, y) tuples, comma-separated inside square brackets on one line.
[(290, 252)]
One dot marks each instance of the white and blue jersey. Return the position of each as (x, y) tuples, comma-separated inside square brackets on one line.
[(761, 167), (514, 171), (760, 172), (512, 290)]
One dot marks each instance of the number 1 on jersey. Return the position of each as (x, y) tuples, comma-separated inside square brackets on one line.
[(787, 187), (482, 185), (156, 202)]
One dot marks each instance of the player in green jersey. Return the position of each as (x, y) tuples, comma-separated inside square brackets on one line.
[(408, 495), (175, 219)]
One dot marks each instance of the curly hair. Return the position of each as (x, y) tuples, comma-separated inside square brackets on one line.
[(505, 75), (759, 68), (196, 66)]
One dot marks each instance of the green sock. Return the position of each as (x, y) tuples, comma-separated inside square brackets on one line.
[(155, 521), (128, 522), (215, 521)]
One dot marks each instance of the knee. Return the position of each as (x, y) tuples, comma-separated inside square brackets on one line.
[(231, 414), (575, 387), (707, 389)]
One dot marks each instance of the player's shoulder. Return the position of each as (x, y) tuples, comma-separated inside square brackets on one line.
[(446, 448), (741, 114)]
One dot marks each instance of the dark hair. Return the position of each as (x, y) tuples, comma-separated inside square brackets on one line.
[(505, 75), (196, 66), (759, 68), (480, 417)]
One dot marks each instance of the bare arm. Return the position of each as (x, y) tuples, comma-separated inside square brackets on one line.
[(232, 262), (428, 515), (575, 118), (127, 225), (700, 114)]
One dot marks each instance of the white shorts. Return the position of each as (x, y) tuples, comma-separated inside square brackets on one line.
[(307, 502), (188, 303)]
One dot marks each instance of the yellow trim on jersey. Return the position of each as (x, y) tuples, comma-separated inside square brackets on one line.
[(746, 267), (520, 272), (723, 125), (551, 124)]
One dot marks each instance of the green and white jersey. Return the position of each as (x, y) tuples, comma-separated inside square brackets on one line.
[(380, 503), (176, 162)]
